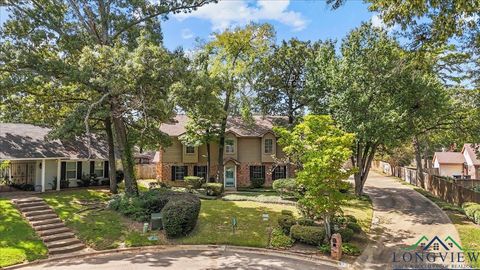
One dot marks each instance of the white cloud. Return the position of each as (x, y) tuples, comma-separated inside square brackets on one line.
[(187, 33), (227, 13), (377, 21)]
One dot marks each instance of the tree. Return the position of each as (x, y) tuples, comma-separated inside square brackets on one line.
[(45, 41), (397, 157), (280, 85), (230, 57), (322, 149)]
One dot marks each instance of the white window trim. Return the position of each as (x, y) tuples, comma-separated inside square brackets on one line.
[(265, 146), (103, 168), (194, 150), (233, 146), (66, 170)]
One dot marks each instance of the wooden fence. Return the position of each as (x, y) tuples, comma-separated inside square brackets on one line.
[(146, 171), (450, 190)]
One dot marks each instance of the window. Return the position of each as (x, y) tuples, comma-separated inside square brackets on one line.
[(280, 172), (98, 171), (71, 170), (200, 171), (257, 172), (435, 246), (179, 172), (229, 146), (268, 146), (190, 149)]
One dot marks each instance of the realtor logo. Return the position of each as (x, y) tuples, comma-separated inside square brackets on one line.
[(436, 244)]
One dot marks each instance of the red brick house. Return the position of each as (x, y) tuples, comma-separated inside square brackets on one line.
[(251, 151)]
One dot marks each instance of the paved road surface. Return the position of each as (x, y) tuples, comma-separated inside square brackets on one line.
[(401, 217), (183, 260)]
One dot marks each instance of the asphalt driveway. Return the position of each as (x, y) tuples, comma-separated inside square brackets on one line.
[(401, 217)]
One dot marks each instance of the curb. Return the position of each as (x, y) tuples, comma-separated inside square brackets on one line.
[(270, 252)]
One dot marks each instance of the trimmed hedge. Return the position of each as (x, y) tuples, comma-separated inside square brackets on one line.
[(280, 240), (354, 227), (180, 215), (213, 189), (311, 235), (287, 212), (257, 182), (346, 233), (306, 222), (287, 185), (286, 222), (194, 182), (472, 211)]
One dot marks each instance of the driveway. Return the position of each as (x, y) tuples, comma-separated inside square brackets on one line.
[(401, 217), (187, 259)]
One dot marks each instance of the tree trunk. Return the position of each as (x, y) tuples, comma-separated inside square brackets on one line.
[(418, 161), (363, 160), (112, 167), (221, 144), (209, 162), (328, 228), (124, 149)]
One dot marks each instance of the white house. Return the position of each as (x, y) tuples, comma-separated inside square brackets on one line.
[(449, 163), (37, 161)]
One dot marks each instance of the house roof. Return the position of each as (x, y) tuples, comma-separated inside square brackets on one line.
[(23, 141), (469, 148), (236, 125), (449, 157)]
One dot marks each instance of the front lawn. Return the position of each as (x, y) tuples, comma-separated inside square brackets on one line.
[(214, 225), (361, 208), (99, 228), (18, 241)]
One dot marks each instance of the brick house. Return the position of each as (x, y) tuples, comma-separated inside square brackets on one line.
[(250, 151)]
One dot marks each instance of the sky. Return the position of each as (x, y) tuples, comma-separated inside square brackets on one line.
[(303, 19)]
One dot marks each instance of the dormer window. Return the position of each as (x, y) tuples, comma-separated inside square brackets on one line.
[(190, 149), (229, 146), (268, 146)]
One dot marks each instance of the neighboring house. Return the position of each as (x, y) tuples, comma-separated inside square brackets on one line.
[(144, 158), (472, 160), (251, 151), (35, 160), (449, 163)]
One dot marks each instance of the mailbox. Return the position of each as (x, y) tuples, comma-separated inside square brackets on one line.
[(336, 246)]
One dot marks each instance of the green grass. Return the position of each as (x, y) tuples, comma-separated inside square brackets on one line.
[(361, 208), (105, 229), (214, 224), (18, 241)]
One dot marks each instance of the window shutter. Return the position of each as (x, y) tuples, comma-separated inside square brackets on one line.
[(106, 169), (263, 172), (173, 172), (185, 173), (274, 177), (79, 170), (251, 172), (63, 171), (195, 170), (92, 167)]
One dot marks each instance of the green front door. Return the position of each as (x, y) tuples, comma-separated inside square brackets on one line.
[(229, 176)]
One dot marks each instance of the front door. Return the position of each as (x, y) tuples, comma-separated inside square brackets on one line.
[(230, 176)]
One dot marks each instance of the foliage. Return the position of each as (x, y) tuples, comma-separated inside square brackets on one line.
[(194, 181), (398, 156), (472, 211), (346, 233), (311, 235), (279, 240), (350, 249), (354, 227), (119, 176), (180, 215), (257, 182), (320, 149), (213, 189), (287, 212), (325, 248), (306, 222), (286, 222), (286, 186)]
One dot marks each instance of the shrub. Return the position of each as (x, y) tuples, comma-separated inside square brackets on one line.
[(119, 176), (354, 227), (346, 233), (287, 212), (280, 240), (257, 182), (324, 248), (213, 189), (312, 235), (194, 182), (350, 249), (286, 222), (345, 187), (351, 218), (287, 185), (180, 215), (306, 222), (471, 209)]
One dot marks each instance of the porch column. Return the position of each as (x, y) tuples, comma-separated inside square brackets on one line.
[(43, 174), (10, 173), (59, 169)]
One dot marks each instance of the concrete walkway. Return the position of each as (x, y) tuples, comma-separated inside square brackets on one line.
[(401, 217)]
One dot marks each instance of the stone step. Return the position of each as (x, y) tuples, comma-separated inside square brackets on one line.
[(42, 217), (30, 204), (46, 221), (47, 227), (67, 249), (62, 243), (53, 231), (35, 208), (27, 200), (38, 213), (59, 236)]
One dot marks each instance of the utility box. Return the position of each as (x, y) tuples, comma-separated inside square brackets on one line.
[(156, 221), (336, 246)]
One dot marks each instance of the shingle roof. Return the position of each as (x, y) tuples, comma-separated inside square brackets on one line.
[(469, 148), (260, 125), (449, 157), (29, 141)]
